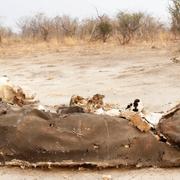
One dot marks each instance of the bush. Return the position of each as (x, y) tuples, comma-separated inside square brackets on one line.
[(150, 28), (87, 28), (127, 25), (44, 28), (101, 28), (66, 25), (104, 29), (5, 32), (36, 27)]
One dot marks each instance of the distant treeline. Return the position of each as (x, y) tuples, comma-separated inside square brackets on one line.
[(126, 26)]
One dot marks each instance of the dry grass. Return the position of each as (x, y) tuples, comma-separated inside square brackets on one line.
[(16, 47)]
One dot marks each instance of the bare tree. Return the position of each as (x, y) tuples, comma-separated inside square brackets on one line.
[(69, 25), (5, 32), (174, 10), (87, 28), (57, 28), (38, 26), (125, 27), (150, 28)]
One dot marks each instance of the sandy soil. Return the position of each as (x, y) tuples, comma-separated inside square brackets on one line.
[(122, 74)]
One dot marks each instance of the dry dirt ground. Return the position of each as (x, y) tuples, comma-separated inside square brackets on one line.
[(120, 73), (65, 174)]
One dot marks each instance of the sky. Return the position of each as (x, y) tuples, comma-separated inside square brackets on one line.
[(12, 10)]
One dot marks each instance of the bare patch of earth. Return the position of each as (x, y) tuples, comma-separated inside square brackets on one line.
[(122, 74)]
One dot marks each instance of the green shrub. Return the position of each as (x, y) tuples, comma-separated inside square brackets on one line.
[(104, 29)]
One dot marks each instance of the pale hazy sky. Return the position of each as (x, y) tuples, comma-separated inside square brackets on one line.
[(12, 10)]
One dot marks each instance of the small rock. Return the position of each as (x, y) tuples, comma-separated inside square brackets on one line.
[(175, 59), (107, 177), (81, 169), (127, 146)]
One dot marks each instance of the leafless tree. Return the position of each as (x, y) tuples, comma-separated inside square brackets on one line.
[(38, 26), (5, 32), (174, 10), (150, 28)]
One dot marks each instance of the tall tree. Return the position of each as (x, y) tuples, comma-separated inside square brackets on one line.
[(174, 10)]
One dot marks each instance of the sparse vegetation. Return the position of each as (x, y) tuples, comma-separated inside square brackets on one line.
[(150, 28), (127, 27), (5, 33), (37, 27)]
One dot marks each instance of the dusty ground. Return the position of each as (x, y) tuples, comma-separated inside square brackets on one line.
[(122, 74), (64, 174)]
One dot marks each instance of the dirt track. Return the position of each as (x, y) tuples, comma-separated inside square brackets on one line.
[(122, 74)]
